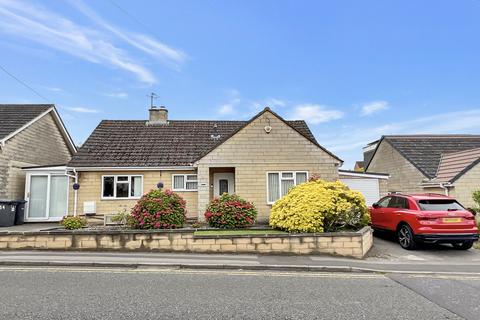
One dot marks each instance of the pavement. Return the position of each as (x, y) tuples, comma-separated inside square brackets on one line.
[(385, 257), (151, 293)]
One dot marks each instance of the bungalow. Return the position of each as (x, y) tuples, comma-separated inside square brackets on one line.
[(258, 159), (447, 164), (33, 135)]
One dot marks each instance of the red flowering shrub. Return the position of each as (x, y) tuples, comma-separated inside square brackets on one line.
[(159, 210), (230, 211)]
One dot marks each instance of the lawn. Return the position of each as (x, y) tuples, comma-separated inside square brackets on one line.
[(237, 232)]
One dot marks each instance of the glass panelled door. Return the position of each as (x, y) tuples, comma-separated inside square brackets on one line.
[(58, 196), (47, 197), (37, 201)]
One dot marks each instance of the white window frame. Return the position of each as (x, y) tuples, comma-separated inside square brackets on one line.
[(280, 181), (115, 180), (184, 189)]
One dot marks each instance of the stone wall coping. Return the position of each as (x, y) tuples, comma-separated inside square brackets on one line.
[(358, 233)]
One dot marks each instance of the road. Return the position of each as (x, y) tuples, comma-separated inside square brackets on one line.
[(94, 293)]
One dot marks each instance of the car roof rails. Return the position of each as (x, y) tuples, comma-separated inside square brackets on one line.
[(397, 193)]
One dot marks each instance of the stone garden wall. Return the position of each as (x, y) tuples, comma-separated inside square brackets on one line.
[(351, 244)]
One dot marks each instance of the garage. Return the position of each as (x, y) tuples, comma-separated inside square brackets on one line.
[(373, 186)]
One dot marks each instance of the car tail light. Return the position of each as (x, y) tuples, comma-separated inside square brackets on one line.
[(470, 218)]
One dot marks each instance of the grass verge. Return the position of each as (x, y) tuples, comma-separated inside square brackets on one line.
[(236, 232)]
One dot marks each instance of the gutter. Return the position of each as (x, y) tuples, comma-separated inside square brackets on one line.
[(443, 185)]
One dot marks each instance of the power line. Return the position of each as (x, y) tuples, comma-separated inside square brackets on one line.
[(131, 16), (24, 84)]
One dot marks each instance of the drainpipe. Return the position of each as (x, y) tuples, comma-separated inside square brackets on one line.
[(75, 192), (444, 187)]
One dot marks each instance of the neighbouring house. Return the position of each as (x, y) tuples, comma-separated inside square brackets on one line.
[(447, 164), (31, 135), (359, 166), (259, 160)]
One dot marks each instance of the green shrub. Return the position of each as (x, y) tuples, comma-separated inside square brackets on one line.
[(476, 198), (159, 210), (320, 206), (72, 223), (124, 218), (230, 211)]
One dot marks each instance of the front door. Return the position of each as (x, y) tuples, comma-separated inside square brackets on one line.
[(47, 196), (223, 183)]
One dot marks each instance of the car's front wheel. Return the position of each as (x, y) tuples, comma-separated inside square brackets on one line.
[(462, 245), (405, 237)]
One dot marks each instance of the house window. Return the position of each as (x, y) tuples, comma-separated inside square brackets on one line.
[(278, 183), (122, 187), (184, 182)]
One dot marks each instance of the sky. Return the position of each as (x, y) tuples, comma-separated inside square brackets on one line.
[(354, 70)]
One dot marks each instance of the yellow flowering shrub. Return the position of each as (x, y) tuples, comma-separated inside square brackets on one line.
[(320, 206)]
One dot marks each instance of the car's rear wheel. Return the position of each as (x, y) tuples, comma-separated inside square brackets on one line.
[(462, 245), (405, 237)]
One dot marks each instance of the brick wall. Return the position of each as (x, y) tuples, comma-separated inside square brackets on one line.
[(253, 153), (91, 189), (404, 177), (40, 144)]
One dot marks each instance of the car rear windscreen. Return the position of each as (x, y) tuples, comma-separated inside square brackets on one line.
[(439, 205)]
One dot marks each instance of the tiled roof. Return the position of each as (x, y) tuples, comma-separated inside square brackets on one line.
[(453, 165), (425, 151), (15, 116), (132, 143)]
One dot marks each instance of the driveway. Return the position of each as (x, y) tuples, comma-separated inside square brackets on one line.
[(385, 247)]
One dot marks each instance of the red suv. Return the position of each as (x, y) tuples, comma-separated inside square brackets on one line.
[(429, 218)]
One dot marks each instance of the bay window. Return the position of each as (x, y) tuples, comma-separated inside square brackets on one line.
[(122, 187), (278, 183)]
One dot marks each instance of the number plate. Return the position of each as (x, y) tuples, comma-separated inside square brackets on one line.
[(452, 220)]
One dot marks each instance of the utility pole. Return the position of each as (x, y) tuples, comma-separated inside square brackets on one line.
[(152, 96)]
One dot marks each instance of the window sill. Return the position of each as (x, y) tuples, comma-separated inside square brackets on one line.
[(184, 190)]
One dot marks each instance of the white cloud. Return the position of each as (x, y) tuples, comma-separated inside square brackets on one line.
[(83, 110), (49, 29), (53, 89), (443, 123), (374, 107), (167, 54), (226, 109), (315, 113), (120, 95)]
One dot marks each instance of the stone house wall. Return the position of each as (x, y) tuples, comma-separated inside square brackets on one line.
[(253, 153), (39, 144), (404, 176), (91, 189)]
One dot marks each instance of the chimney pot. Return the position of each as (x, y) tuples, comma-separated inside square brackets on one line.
[(158, 116)]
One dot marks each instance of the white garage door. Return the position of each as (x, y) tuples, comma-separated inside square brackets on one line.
[(368, 187)]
